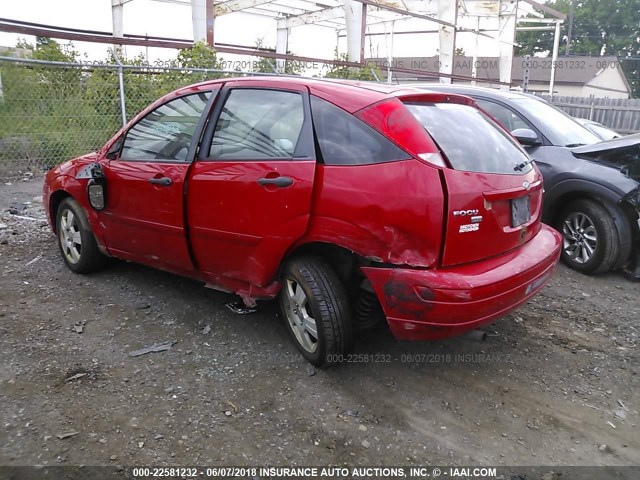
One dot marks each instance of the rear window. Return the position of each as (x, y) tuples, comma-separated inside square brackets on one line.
[(346, 140), (469, 139)]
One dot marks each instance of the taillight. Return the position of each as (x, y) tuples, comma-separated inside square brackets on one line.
[(392, 119)]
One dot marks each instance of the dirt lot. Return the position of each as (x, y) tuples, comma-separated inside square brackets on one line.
[(556, 383)]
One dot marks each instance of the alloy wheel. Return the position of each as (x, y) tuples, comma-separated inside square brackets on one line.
[(298, 313), (70, 238), (580, 237)]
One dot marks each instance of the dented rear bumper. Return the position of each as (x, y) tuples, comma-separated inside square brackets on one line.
[(439, 303)]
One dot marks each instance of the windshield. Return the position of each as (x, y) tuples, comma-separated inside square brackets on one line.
[(558, 127), (603, 132), (470, 140)]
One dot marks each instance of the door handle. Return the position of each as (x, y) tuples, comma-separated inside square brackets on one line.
[(278, 181), (163, 181)]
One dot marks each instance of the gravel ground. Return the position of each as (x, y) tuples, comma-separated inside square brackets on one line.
[(555, 383)]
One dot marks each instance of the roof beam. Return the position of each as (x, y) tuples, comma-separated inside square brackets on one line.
[(383, 6), (319, 16), (546, 9), (312, 17), (431, 19), (230, 6)]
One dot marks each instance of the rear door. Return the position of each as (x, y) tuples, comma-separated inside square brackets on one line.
[(250, 189), (145, 184), (494, 194)]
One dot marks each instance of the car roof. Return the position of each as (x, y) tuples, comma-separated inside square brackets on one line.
[(348, 94), (473, 90), (586, 121), (351, 95)]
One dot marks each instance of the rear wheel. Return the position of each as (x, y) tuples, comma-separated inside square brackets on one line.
[(76, 241), (590, 238), (316, 311)]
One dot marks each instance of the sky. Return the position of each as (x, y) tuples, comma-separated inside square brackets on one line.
[(170, 20)]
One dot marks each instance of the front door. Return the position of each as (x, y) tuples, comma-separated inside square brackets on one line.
[(250, 189), (144, 217)]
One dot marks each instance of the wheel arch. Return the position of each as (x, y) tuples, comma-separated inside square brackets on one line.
[(66, 186), (341, 259), (575, 189), (55, 200)]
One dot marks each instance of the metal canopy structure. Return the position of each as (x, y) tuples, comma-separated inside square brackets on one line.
[(355, 19), (497, 20)]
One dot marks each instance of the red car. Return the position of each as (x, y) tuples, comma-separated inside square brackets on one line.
[(337, 197)]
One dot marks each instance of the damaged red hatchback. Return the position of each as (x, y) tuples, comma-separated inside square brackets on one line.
[(342, 199)]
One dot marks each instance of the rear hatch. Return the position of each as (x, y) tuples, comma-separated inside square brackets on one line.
[(494, 193)]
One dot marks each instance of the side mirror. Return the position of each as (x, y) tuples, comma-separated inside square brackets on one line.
[(526, 137), (97, 193), (96, 186)]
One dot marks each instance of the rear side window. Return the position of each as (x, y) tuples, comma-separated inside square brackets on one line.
[(258, 124), (469, 139), (346, 140)]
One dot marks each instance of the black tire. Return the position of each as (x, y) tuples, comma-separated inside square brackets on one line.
[(591, 242), (84, 257), (325, 301)]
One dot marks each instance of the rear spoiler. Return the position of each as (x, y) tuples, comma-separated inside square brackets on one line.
[(434, 97)]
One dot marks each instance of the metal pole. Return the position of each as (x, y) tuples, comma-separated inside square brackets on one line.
[(123, 107), (282, 46), (474, 66), (554, 57), (572, 13), (355, 16), (390, 52), (527, 72)]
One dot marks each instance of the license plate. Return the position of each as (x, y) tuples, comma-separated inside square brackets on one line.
[(520, 211)]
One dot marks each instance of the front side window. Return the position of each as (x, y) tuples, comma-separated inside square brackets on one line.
[(258, 124), (471, 140), (561, 129), (165, 133)]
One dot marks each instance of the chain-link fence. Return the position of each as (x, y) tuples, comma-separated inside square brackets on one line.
[(53, 111)]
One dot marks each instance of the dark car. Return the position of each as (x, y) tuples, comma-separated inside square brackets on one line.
[(602, 132), (331, 195), (592, 188)]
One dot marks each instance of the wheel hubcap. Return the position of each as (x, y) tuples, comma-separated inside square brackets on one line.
[(580, 237), (298, 314), (69, 234)]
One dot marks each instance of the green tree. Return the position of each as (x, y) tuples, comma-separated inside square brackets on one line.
[(268, 65), (367, 73), (49, 49), (600, 27), (50, 113), (43, 113), (201, 55), (146, 83)]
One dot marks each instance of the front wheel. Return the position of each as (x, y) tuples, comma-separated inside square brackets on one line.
[(316, 311), (590, 238), (76, 241)]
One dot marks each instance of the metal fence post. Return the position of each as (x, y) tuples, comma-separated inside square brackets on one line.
[(527, 72), (123, 106), (591, 106)]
